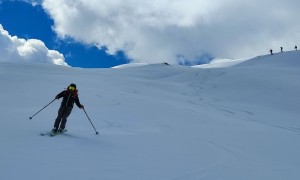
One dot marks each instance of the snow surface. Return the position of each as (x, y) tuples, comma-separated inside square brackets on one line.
[(155, 122), (130, 65)]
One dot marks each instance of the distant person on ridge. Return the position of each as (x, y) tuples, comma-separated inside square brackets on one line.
[(271, 51), (296, 47), (281, 49), (69, 97)]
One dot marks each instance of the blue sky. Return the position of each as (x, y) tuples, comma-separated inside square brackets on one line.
[(31, 22), (107, 33)]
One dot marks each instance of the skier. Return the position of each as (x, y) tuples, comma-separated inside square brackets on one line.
[(281, 49), (271, 51), (296, 47), (69, 97)]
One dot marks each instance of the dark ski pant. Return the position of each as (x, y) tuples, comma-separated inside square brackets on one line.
[(61, 119)]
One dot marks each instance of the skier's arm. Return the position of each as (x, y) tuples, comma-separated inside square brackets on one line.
[(78, 103), (61, 94)]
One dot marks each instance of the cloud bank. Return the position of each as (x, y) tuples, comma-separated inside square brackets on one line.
[(172, 30), (14, 49)]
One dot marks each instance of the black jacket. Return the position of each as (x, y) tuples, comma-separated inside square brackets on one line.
[(69, 98)]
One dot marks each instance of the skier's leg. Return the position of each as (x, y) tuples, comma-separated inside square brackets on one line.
[(64, 118), (59, 117)]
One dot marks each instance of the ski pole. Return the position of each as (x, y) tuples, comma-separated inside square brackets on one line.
[(42, 109), (90, 121)]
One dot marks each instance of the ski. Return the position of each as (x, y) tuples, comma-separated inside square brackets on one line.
[(51, 134), (57, 133), (45, 133)]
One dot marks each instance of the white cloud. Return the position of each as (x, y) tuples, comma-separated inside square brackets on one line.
[(16, 49), (163, 30)]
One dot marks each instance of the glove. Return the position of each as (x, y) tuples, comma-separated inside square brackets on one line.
[(56, 97), (81, 107)]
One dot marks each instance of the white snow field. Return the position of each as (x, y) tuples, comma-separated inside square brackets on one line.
[(155, 122)]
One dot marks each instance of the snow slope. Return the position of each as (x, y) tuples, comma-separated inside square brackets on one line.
[(155, 122)]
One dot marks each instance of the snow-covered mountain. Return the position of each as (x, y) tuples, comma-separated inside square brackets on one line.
[(155, 122)]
